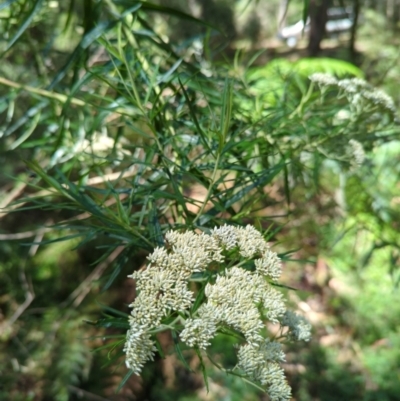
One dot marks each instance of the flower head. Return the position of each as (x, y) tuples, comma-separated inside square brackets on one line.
[(261, 363), (299, 328), (323, 79), (139, 348), (234, 298), (357, 151)]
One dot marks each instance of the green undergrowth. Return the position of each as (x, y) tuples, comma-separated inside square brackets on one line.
[(117, 133)]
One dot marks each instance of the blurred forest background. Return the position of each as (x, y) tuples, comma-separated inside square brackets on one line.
[(121, 119)]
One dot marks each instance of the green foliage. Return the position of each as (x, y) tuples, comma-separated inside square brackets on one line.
[(305, 67), (114, 135)]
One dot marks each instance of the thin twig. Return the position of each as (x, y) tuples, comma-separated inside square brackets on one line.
[(84, 288), (28, 287), (91, 181), (12, 195), (32, 233), (57, 96), (86, 394), (17, 236)]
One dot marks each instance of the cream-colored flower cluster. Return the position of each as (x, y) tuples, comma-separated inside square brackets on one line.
[(323, 79), (357, 151), (299, 328), (238, 296), (261, 363), (234, 301), (357, 90)]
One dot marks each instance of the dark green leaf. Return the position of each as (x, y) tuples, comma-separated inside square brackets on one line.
[(25, 24)]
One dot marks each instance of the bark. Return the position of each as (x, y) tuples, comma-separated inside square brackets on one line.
[(318, 18), (353, 33)]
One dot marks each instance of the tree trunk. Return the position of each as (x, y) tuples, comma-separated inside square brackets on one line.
[(353, 33), (318, 18), (282, 13)]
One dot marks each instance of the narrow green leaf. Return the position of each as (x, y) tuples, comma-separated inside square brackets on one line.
[(286, 184), (147, 6), (53, 241), (33, 111), (114, 322), (226, 114), (106, 346), (52, 182), (283, 286), (179, 351), (265, 178), (199, 299), (165, 77), (193, 115), (70, 14), (25, 24), (112, 310), (118, 265), (28, 131), (156, 234), (85, 42), (203, 369), (7, 3), (122, 213), (159, 348), (316, 169), (124, 380)]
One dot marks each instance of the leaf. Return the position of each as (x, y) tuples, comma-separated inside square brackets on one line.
[(283, 286), (203, 369), (79, 50), (226, 114), (147, 6), (265, 178), (159, 348), (286, 184), (112, 310), (194, 116), (166, 77), (179, 351), (199, 299), (154, 225), (33, 111), (28, 131), (52, 182), (122, 213), (7, 3), (111, 322), (52, 241), (124, 380), (118, 265), (25, 24)]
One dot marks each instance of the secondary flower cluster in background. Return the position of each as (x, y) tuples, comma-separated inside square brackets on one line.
[(356, 90)]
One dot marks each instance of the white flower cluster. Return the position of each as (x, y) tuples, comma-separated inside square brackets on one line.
[(163, 287), (357, 151), (323, 79), (379, 97), (236, 298), (234, 301), (356, 89), (261, 363), (353, 85), (299, 328)]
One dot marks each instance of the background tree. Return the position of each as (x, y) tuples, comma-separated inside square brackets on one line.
[(356, 12), (318, 14)]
